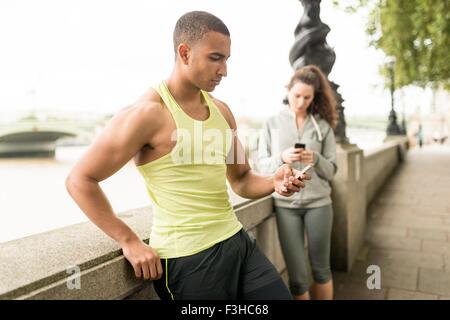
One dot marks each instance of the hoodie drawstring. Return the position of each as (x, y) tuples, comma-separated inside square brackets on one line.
[(319, 133)]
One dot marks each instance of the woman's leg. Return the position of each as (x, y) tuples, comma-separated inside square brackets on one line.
[(322, 291), (318, 224), (291, 235)]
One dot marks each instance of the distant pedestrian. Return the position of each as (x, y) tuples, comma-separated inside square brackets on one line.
[(419, 136)]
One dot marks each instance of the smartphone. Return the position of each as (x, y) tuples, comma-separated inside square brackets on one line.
[(300, 145), (304, 170)]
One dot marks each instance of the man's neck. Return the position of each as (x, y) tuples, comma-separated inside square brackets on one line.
[(183, 91)]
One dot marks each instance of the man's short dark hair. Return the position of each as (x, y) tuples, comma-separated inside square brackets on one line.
[(192, 26)]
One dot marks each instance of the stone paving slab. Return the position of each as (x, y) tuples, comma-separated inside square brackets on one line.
[(355, 291), (434, 281), (386, 230), (397, 201), (428, 222), (410, 258), (391, 209), (395, 242), (427, 234), (437, 246), (397, 294)]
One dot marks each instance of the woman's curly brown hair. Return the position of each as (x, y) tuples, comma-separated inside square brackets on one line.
[(324, 102)]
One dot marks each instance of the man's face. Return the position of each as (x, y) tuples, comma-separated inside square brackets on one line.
[(208, 60)]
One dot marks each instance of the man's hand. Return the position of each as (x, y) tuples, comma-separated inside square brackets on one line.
[(143, 258), (286, 180)]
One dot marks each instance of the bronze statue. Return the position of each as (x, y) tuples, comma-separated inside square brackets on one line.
[(310, 46)]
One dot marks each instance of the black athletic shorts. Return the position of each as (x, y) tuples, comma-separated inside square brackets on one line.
[(232, 269)]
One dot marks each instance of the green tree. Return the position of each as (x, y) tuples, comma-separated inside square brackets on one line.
[(414, 32)]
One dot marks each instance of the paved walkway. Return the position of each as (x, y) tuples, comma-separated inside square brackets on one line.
[(408, 233)]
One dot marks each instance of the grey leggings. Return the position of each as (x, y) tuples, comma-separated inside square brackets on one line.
[(292, 222)]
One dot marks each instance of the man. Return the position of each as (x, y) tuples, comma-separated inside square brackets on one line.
[(179, 136)]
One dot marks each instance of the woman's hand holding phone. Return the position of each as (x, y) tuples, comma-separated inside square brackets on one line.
[(298, 153), (307, 157), (291, 155)]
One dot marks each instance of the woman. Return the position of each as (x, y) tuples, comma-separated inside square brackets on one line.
[(303, 134)]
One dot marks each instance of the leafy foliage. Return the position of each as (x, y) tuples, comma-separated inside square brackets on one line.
[(416, 33)]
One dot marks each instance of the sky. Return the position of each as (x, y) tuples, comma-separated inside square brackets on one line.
[(98, 56)]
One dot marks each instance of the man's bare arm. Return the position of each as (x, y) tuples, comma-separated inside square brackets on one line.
[(248, 184), (123, 137)]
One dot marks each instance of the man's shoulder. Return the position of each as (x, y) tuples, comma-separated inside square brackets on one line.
[(147, 113), (148, 105)]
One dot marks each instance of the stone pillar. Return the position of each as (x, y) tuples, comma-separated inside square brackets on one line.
[(349, 205)]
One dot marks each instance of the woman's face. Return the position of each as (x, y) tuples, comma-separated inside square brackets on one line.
[(300, 97)]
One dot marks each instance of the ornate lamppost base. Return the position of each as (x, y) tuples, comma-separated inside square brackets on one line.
[(393, 128)]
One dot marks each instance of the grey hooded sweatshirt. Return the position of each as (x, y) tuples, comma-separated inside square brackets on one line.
[(280, 133)]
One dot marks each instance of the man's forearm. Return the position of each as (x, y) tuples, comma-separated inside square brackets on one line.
[(254, 186), (93, 202)]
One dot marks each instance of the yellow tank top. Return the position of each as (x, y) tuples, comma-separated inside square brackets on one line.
[(191, 206)]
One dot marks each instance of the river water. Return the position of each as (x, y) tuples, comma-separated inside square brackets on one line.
[(33, 197)]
